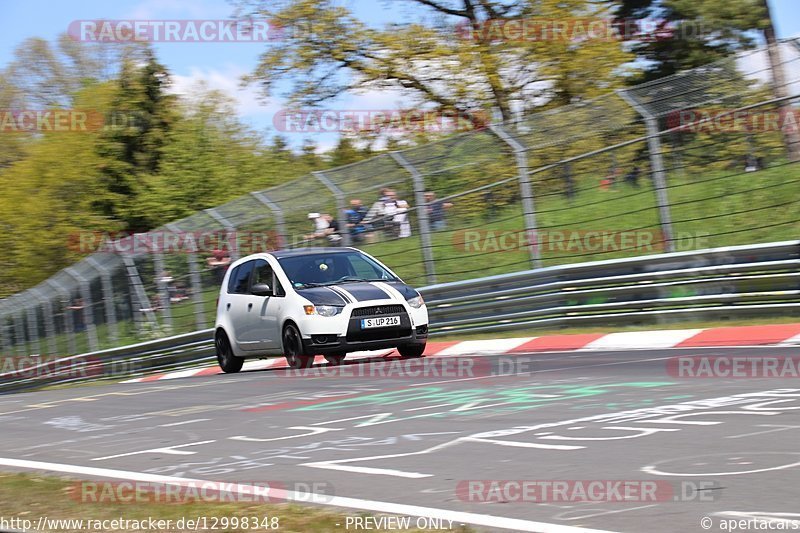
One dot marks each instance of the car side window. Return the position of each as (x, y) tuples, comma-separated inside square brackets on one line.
[(263, 274), (232, 280), (242, 282)]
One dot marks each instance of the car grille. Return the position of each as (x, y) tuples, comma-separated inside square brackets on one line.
[(373, 311), (356, 334)]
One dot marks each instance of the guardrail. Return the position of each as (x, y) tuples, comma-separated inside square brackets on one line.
[(170, 353), (731, 282)]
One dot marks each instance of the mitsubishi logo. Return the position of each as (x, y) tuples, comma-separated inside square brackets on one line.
[(378, 310)]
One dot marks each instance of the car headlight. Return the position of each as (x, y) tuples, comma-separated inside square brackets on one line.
[(322, 310), (415, 302)]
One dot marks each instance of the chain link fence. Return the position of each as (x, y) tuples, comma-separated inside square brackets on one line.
[(691, 161)]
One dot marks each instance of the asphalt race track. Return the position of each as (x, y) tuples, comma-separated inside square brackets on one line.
[(727, 448)]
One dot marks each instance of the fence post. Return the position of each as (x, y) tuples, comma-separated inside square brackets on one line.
[(197, 285), (69, 327), (33, 326), (341, 205), (526, 192), (163, 288), (108, 297), (19, 332), (279, 220), (49, 327), (230, 231), (88, 311), (145, 310), (657, 166), (5, 336), (422, 215)]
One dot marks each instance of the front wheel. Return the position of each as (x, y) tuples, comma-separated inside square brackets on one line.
[(293, 349), (228, 362), (411, 351)]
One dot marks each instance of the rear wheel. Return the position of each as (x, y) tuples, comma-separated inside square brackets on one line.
[(335, 359), (293, 348), (228, 362), (411, 351)]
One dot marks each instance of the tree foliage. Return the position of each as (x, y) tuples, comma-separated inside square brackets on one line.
[(327, 50)]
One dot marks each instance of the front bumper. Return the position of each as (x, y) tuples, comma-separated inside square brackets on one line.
[(341, 344), (343, 332)]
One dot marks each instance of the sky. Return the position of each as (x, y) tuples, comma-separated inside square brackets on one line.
[(221, 65)]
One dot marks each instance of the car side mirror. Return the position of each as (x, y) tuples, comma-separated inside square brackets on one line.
[(261, 289)]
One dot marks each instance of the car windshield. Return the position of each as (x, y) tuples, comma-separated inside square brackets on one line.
[(314, 270)]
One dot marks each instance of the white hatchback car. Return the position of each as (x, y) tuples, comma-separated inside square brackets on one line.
[(327, 301)]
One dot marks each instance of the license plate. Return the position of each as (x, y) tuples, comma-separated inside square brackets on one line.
[(380, 322)]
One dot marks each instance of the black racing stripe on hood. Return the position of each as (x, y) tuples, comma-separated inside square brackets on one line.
[(403, 289), (322, 296), (365, 291), (342, 293)]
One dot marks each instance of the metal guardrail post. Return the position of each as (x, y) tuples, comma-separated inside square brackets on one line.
[(283, 236), (88, 311), (69, 326), (230, 232), (163, 288), (341, 205), (422, 214), (657, 164), (526, 192), (108, 297), (49, 326)]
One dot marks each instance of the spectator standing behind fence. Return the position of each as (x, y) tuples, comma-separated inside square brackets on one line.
[(401, 220), (382, 212), (355, 217), (218, 263), (436, 211), (325, 227)]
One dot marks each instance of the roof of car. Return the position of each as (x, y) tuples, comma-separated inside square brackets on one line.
[(309, 251)]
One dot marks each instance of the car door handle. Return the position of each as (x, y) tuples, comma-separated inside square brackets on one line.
[(249, 306), (228, 307)]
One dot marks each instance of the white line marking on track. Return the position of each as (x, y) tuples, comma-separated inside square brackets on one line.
[(169, 450), (335, 501), (184, 422)]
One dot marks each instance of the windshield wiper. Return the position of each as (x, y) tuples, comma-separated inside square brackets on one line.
[(354, 279)]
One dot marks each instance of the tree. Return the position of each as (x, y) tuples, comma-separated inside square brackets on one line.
[(133, 148), (695, 32), (791, 137), (328, 51)]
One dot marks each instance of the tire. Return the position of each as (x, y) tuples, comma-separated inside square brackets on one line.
[(228, 362), (411, 351), (335, 359), (293, 349)]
